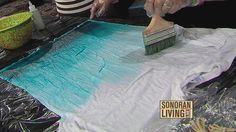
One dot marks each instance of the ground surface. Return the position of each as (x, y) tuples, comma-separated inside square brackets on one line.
[(21, 5)]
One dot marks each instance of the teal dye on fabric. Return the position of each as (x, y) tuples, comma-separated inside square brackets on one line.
[(65, 73)]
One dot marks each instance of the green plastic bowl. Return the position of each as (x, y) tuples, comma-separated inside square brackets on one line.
[(15, 30)]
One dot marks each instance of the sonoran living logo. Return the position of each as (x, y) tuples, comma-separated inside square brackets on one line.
[(172, 109)]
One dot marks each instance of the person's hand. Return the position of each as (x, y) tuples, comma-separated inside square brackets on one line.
[(99, 8), (165, 6)]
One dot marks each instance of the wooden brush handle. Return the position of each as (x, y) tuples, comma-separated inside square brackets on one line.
[(157, 23)]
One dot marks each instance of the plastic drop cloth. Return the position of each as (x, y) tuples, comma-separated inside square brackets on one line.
[(97, 78), (2, 54), (214, 101), (20, 112)]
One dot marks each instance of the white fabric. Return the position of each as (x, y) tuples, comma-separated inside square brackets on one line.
[(199, 55)]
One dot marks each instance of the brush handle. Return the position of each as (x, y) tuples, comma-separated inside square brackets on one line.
[(157, 23)]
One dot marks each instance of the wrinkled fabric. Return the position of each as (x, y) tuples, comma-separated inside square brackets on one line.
[(97, 78)]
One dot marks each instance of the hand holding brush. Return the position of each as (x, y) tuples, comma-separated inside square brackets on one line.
[(159, 34)]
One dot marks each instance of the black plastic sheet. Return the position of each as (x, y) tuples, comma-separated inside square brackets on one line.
[(2, 54), (214, 101), (19, 111)]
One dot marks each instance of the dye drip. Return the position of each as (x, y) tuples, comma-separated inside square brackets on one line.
[(2, 53)]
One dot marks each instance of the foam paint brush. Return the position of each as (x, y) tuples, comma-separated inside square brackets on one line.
[(159, 34)]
